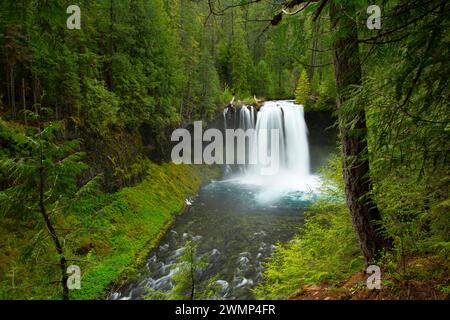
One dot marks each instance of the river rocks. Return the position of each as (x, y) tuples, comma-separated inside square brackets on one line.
[(214, 256), (176, 253), (245, 282), (222, 289), (164, 247)]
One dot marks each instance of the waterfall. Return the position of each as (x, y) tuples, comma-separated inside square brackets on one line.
[(288, 119), (296, 141), (246, 120), (293, 149)]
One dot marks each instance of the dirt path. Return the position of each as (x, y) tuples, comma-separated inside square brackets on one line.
[(354, 288)]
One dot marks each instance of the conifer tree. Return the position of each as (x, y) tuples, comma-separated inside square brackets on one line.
[(303, 89)]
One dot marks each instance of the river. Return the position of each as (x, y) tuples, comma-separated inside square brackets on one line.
[(236, 223)]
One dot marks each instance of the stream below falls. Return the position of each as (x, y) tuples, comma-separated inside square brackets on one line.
[(235, 223)]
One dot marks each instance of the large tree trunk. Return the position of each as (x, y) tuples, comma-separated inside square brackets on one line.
[(347, 70)]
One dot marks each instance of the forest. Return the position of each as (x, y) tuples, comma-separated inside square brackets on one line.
[(89, 196)]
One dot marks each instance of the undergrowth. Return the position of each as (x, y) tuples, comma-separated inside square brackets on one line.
[(106, 235), (325, 249)]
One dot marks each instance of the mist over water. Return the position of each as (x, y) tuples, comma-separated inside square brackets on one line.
[(293, 160)]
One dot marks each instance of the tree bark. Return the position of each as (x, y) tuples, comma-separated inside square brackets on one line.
[(56, 109), (109, 73), (24, 102), (35, 88), (347, 70), (315, 41), (13, 93), (8, 87)]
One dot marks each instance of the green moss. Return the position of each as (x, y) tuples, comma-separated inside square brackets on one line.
[(112, 235), (135, 221)]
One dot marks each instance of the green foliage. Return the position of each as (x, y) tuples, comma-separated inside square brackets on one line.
[(155, 63), (186, 279), (102, 233), (56, 164), (115, 89), (263, 83), (407, 139), (104, 238), (118, 156), (303, 90), (326, 99), (240, 65), (43, 184), (102, 108), (188, 284), (208, 92), (325, 250)]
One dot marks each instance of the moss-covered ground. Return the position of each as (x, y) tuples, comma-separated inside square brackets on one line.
[(106, 235)]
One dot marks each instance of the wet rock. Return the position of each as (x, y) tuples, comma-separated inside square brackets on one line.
[(164, 247), (224, 288), (244, 282), (114, 296)]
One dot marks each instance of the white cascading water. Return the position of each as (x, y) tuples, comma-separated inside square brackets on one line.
[(294, 163), (297, 149), (246, 120)]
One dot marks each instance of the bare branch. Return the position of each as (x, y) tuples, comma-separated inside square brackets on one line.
[(302, 7)]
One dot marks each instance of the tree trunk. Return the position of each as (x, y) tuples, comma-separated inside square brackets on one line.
[(347, 70), (315, 41), (36, 87), (109, 73), (13, 93), (51, 230), (56, 109), (8, 87), (24, 102), (232, 20)]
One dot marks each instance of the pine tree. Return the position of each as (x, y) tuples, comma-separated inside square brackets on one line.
[(44, 181), (303, 89), (208, 91), (240, 64), (263, 83)]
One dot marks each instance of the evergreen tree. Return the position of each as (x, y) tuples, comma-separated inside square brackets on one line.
[(303, 89), (44, 183), (240, 64), (208, 91), (263, 83)]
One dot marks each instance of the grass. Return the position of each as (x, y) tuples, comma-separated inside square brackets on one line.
[(107, 236)]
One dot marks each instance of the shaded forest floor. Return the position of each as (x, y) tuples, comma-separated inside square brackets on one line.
[(424, 286)]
